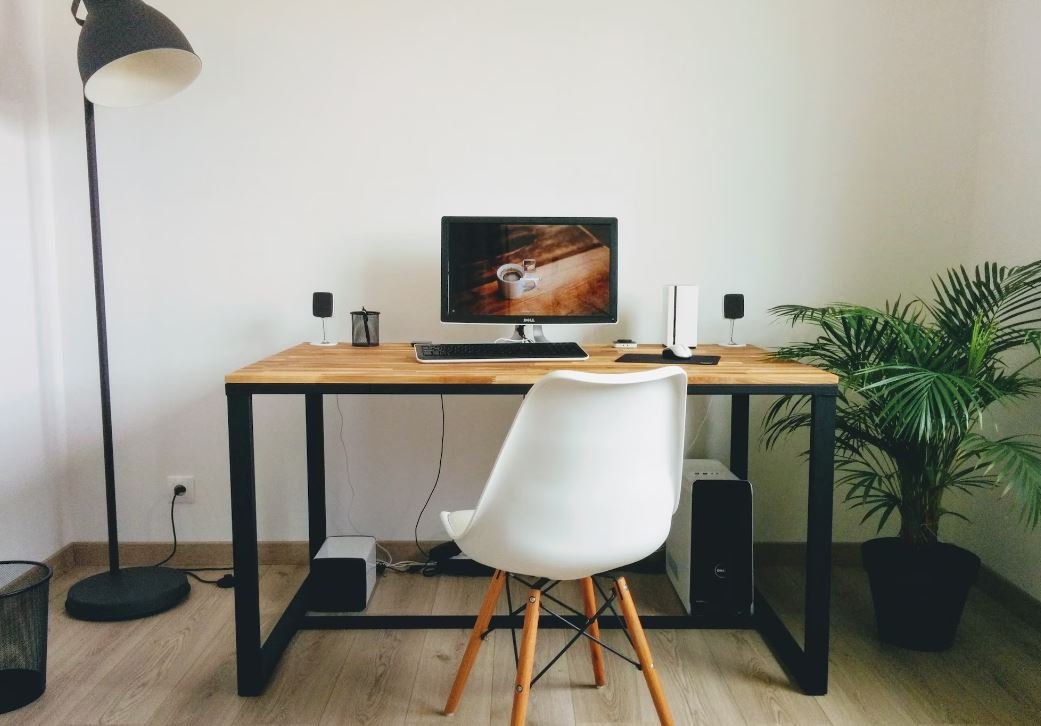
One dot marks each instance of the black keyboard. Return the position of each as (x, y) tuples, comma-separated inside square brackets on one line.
[(478, 352)]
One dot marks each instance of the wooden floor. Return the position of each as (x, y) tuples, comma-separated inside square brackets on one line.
[(179, 667)]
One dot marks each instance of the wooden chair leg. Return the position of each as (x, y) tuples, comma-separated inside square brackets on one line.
[(526, 659), (643, 651), (595, 651), (491, 596)]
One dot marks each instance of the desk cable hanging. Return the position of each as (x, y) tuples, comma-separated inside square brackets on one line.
[(437, 479), (388, 563)]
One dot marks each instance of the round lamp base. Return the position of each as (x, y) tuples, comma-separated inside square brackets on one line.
[(127, 594)]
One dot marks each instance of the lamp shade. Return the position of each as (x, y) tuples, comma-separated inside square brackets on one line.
[(130, 54)]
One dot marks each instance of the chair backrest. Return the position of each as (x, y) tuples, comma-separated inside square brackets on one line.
[(588, 477)]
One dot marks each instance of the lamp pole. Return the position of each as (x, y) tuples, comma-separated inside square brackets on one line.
[(113, 38), (99, 313)]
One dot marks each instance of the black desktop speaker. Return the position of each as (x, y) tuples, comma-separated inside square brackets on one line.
[(322, 304), (721, 547), (733, 306)]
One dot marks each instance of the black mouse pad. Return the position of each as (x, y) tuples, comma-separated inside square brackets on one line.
[(694, 360)]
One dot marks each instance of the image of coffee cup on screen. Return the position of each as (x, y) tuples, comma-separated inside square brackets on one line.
[(496, 268), (514, 281)]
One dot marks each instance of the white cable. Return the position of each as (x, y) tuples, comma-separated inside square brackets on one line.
[(403, 566), (390, 557), (697, 432), (347, 468), (389, 563)]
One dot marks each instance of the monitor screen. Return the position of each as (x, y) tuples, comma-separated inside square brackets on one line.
[(529, 270)]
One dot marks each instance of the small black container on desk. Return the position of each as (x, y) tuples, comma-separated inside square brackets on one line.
[(24, 588), (365, 327)]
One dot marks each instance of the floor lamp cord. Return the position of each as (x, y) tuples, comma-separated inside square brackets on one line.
[(225, 581)]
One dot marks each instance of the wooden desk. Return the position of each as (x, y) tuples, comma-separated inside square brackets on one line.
[(313, 371)]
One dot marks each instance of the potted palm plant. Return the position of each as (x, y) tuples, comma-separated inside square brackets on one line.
[(917, 382)]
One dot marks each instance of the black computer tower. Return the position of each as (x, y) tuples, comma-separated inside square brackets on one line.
[(721, 578)]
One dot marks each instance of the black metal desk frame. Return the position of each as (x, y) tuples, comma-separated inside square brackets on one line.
[(256, 659)]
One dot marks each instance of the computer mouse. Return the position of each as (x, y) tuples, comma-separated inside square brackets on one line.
[(676, 352)]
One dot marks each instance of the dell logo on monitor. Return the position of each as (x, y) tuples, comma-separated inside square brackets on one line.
[(529, 320)]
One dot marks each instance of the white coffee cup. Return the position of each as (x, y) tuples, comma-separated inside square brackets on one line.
[(514, 281)]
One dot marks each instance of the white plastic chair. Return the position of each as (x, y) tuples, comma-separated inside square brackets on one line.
[(587, 481)]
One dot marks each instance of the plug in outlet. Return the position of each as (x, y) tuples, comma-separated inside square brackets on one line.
[(188, 482)]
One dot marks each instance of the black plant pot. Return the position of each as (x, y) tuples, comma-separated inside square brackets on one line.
[(919, 592)]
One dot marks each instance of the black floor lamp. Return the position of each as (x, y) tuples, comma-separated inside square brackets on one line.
[(129, 54)]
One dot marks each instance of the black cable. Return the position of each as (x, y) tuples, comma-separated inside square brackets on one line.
[(191, 574), (173, 527), (440, 461), (212, 569), (224, 582)]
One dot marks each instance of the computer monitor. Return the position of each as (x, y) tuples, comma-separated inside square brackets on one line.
[(529, 270)]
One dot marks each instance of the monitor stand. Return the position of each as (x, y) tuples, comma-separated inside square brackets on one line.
[(537, 335)]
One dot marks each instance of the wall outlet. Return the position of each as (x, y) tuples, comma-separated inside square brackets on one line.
[(188, 482)]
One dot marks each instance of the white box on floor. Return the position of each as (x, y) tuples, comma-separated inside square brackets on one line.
[(343, 574)]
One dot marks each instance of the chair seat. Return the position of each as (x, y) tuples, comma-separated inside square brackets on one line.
[(535, 559)]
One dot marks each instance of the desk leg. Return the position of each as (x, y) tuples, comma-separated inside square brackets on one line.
[(818, 544), (739, 435), (248, 661), (316, 519)]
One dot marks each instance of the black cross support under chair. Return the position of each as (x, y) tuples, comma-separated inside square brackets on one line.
[(587, 626)]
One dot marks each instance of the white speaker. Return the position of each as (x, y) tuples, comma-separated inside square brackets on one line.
[(343, 574), (681, 315)]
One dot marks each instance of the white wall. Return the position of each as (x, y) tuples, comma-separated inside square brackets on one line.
[(31, 427), (1007, 228), (797, 151)]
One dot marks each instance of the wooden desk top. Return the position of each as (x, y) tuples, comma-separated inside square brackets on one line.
[(395, 364)]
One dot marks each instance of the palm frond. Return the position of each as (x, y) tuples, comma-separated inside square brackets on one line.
[(922, 403), (853, 336), (950, 512), (1033, 337), (1008, 297), (973, 473), (884, 507), (871, 480), (1016, 462), (785, 416), (1008, 387), (865, 485)]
